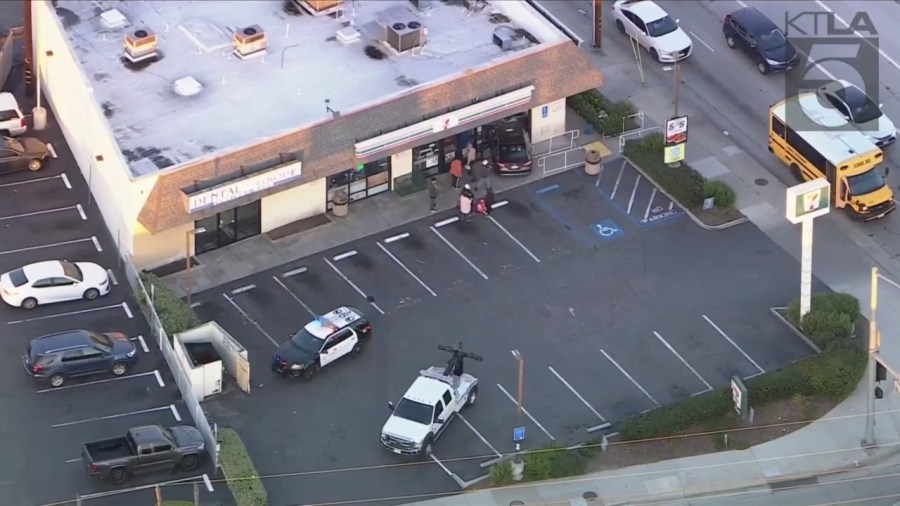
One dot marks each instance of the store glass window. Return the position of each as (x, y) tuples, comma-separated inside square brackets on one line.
[(364, 181), (227, 227)]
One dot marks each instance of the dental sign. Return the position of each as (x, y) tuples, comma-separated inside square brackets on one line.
[(463, 116), (236, 189)]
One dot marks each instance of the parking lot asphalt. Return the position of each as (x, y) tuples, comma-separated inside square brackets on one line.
[(614, 311), (46, 216)]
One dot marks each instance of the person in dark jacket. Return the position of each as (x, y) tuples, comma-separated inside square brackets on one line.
[(432, 193), (489, 199)]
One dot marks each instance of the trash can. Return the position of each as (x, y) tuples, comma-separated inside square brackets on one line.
[(38, 118), (340, 201), (588, 129), (592, 162)]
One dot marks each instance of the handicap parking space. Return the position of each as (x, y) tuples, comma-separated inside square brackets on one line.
[(635, 195)]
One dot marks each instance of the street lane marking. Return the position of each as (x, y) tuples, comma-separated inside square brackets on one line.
[(637, 182), (111, 417), (51, 245), (245, 288), (683, 361), (251, 320), (97, 244), (208, 483), (855, 32), (397, 237), (140, 339), (70, 313), (36, 213), (38, 180), (175, 413), (513, 399), (498, 205), (405, 268), (298, 270), (65, 180), (446, 222), (98, 382), (618, 180), (650, 204), (52, 151), (342, 256), (71, 461), (353, 285), (580, 398), (702, 41), (738, 348), (508, 234), (81, 212), (633, 381), (159, 379), (458, 252), (112, 277), (127, 310), (292, 294), (196, 304), (742, 3), (483, 440)]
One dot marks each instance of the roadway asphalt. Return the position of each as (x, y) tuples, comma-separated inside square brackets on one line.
[(47, 215), (614, 311)]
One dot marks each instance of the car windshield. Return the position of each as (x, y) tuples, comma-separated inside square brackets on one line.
[(865, 183), (772, 40), (513, 153), (662, 26), (72, 271), (17, 278), (862, 108), (414, 411), (306, 341)]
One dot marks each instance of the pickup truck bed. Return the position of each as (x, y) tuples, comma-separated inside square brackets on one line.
[(108, 449)]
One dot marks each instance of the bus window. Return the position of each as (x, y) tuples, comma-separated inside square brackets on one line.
[(778, 127)]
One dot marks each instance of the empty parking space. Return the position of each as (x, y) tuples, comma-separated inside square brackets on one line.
[(320, 287), (488, 247), (582, 211), (432, 260), (60, 225), (275, 314), (759, 334), (546, 237), (635, 195), (21, 194), (99, 314)]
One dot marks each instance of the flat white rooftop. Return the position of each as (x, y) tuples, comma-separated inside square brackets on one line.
[(305, 65)]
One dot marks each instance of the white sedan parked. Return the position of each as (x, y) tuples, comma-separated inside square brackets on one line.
[(652, 28), (53, 281)]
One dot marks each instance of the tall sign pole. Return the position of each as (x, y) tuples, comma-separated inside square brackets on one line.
[(805, 202), (598, 23), (869, 440)]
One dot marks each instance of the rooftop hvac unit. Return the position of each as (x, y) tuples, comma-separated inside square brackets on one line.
[(140, 45), (249, 42), (403, 30), (319, 7), (509, 39)]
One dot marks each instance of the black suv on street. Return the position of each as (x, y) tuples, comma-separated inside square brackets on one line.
[(509, 148), (72, 353), (757, 36)]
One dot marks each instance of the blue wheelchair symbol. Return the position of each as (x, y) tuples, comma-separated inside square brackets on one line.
[(607, 230)]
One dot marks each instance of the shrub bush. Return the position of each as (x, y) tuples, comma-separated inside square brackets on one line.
[(722, 193), (240, 473), (830, 320), (174, 314), (685, 184), (675, 418), (590, 103), (502, 473), (554, 462)]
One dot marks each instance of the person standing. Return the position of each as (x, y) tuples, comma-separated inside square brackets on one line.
[(489, 199), (469, 154), (432, 193), (455, 172), (465, 203)]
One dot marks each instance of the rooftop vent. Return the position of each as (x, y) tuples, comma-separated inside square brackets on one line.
[(113, 19), (249, 42), (187, 87), (422, 4), (141, 45), (348, 35), (403, 30), (509, 39), (320, 7)]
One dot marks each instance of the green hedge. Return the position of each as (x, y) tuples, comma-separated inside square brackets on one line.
[(831, 317), (554, 462), (589, 104), (723, 195), (685, 184), (502, 473), (241, 474), (174, 314)]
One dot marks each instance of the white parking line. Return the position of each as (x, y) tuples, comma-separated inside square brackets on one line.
[(208, 483), (861, 36), (299, 270), (137, 488), (458, 252), (110, 417), (742, 3), (65, 180), (196, 304), (513, 399), (81, 212), (683, 361), (36, 213), (498, 205), (37, 180), (159, 379), (446, 222), (618, 180), (578, 395), (140, 339), (342, 256), (633, 381), (702, 41), (404, 267), (292, 294), (175, 413), (397, 237), (245, 288), (112, 277), (97, 244), (352, 285), (99, 382), (478, 434), (127, 310), (451, 474), (738, 348), (70, 313), (650, 204), (251, 320), (51, 245), (503, 229), (637, 182), (52, 151), (72, 461)]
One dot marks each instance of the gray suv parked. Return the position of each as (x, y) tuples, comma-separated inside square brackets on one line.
[(73, 353)]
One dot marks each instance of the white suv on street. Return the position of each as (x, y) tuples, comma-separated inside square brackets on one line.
[(653, 29)]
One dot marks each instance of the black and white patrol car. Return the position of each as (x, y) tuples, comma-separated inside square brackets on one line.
[(321, 342)]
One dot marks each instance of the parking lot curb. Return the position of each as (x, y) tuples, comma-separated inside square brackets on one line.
[(775, 311), (694, 218)]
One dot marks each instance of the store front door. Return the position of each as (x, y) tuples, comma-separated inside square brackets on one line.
[(227, 227)]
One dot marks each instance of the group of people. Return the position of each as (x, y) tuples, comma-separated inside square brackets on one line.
[(468, 205)]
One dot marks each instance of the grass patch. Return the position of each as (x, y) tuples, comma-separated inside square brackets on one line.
[(174, 314), (608, 117), (241, 474), (553, 462), (502, 473)]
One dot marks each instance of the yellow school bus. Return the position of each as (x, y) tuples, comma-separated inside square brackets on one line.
[(823, 147)]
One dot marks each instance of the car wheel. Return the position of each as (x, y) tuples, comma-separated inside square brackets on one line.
[(5, 133), (654, 54), (118, 475), (358, 348), (620, 26), (29, 303), (472, 397), (91, 293), (57, 380), (762, 68), (189, 462), (312, 371), (795, 171), (730, 41), (119, 369), (35, 164), (427, 447)]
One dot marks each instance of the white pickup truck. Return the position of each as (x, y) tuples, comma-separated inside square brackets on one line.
[(426, 409)]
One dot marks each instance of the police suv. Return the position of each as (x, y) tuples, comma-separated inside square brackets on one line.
[(321, 342)]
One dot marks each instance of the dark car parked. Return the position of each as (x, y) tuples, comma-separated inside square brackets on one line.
[(144, 449), (756, 35), (509, 148), (23, 153), (73, 353)]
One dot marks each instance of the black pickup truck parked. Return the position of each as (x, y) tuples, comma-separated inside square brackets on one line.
[(142, 450)]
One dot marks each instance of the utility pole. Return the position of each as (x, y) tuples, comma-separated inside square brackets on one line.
[(677, 73), (869, 440), (598, 23), (29, 50)]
